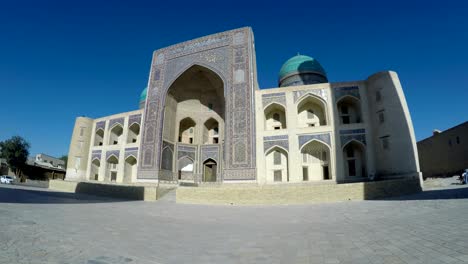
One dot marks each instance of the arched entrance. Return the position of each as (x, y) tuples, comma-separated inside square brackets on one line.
[(210, 168), (112, 168), (193, 115), (130, 169), (133, 133), (275, 117), (349, 109), (311, 112), (95, 165), (116, 134), (277, 165), (99, 137), (211, 132), (354, 154), (316, 161), (185, 168)]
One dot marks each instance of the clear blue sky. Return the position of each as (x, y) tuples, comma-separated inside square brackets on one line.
[(62, 59)]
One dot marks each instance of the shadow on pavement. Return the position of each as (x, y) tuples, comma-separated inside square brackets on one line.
[(31, 196), (442, 194)]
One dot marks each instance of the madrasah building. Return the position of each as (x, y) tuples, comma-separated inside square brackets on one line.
[(203, 119)]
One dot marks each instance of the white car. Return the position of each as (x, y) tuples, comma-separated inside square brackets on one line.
[(6, 179)]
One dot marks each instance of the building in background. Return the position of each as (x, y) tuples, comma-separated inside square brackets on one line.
[(47, 161), (444, 153), (203, 119)]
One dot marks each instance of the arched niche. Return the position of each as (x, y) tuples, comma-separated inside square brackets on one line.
[(99, 137), (210, 168), (167, 158), (276, 160), (354, 157), (315, 160), (116, 134), (349, 110), (130, 169), (133, 135), (95, 165), (275, 117), (311, 112), (112, 168), (211, 133), (187, 130), (198, 94), (185, 168)]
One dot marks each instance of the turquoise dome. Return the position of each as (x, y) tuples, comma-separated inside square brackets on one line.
[(301, 64), (143, 95)]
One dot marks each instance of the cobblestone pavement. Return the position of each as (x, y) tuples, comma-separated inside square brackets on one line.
[(41, 226)]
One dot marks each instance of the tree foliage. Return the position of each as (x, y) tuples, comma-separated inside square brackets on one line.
[(16, 151)]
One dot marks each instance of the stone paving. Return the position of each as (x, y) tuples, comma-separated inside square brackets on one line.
[(40, 226)]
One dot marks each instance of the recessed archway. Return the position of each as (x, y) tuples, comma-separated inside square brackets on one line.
[(116, 134), (315, 161), (185, 168), (130, 169), (354, 156), (275, 117), (211, 132), (112, 168), (277, 165), (349, 110), (133, 133), (187, 130), (210, 168), (311, 112), (99, 137), (95, 165)]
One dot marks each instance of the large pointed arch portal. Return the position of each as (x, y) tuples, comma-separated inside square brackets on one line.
[(226, 62)]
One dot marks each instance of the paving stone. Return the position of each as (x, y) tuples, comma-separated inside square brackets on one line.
[(40, 226)]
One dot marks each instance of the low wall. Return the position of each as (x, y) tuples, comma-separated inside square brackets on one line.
[(131, 192), (296, 193)]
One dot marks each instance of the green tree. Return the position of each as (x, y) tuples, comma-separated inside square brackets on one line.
[(15, 150), (64, 158)]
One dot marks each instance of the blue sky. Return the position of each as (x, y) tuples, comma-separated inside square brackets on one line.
[(63, 59)]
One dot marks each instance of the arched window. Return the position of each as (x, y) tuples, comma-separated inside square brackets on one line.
[(354, 154), (349, 110), (315, 161), (277, 165), (275, 117), (311, 112)]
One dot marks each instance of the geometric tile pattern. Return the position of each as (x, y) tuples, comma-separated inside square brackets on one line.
[(348, 90), (325, 138), (271, 141)]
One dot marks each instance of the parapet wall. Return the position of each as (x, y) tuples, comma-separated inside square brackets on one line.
[(296, 194), (131, 192)]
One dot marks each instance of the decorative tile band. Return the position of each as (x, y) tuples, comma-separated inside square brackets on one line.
[(131, 152), (303, 139), (120, 121), (272, 143), (112, 152), (96, 154), (322, 93), (281, 137), (274, 98), (348, 90), (189, 151), (358, 137), (100, 125), (353, 131), (134, 119), (210, 152)]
